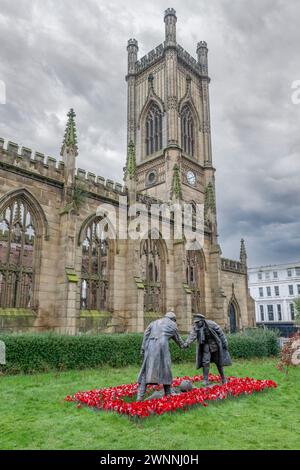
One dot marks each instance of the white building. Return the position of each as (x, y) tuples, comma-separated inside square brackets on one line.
[(274, 288)]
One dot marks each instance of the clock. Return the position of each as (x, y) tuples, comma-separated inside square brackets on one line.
[(151, 177), (191, 177)]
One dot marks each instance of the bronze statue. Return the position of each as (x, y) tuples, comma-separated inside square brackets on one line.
[(211, 346), (156, 367)]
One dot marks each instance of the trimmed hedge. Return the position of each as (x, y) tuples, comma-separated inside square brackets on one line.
[(32, 353), (253, 343)]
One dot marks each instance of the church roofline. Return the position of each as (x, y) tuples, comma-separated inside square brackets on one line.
[(21, 159), (158, 52), (292, 264)]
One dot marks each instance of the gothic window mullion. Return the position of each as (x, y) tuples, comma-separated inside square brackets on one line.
[(153, 129), (99, 275), (4, 290), (189, 135), (155, 133), (187, 131), (7, 292), (10, 236), (96, 276), (90, 270), (147, 138), (19, 290), (17, 255), (160, 131), (150, 130)]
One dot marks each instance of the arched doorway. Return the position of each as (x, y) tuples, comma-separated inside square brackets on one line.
[(195, 266), (232, 318), (153, 275)]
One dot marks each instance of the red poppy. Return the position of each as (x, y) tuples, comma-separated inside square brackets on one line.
[(112, 398)]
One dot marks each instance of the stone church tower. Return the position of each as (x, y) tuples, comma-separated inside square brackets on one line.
[(169, 125), (64, 264)]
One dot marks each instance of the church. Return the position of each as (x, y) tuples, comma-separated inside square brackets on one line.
[(59, 268)]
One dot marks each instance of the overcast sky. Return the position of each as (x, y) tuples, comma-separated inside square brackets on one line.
[(55, 55)]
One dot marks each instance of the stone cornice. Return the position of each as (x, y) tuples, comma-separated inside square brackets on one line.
[(153, 56)]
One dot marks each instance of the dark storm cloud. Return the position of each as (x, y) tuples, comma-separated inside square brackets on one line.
[(57, 55)]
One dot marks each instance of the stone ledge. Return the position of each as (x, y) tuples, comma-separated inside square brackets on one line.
[(17, 312), (94, 313)]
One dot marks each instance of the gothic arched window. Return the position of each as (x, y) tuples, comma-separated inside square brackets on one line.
[(195, 279), (187, 131), (153, 278), (94, 268), (17, 255), (153, 131)]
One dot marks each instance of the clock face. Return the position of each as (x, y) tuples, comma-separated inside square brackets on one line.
[(191, 178), (151, 177)]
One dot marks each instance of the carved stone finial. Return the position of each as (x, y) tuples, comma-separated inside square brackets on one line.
[(132, 43), (131, 161), (243, 253), (170, 20), (201, 45), (209, 200), (70, 137), (170, 12), (202, 56), (176, 191), (132, 49)]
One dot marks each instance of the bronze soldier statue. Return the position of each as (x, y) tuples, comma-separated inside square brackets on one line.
[(211, 346), (156, 367)]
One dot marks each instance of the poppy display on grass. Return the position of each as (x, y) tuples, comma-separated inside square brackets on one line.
[(120, 399)]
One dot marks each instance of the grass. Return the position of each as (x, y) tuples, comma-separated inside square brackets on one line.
[(34, 415)]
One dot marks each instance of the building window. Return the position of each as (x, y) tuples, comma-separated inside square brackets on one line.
[(289, 273), (291, 290), (270, 312), (153, 129), (94, 268), (276, 289), (187, 131), (297, 271), (261, 291), (279, 312), (152, 274), (262, 314), (298, 288), (275, 274), (292, 312), (17, 255), (267, 274), (259, 275), (269, 291)]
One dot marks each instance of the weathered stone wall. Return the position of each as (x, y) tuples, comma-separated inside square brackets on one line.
[(57, 303), (171, 78), (234, 285), (44, 183)]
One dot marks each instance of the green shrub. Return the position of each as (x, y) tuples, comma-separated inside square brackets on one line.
[(31, 353), (254, 343)]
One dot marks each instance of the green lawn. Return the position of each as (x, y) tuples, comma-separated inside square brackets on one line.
[(34, 415)]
